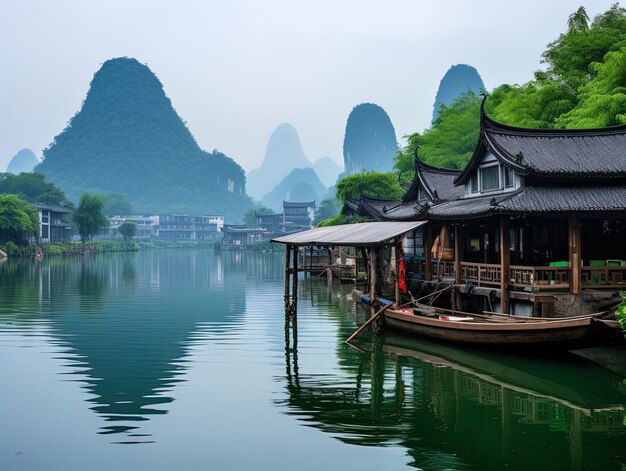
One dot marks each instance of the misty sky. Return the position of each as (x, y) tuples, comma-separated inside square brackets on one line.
[(235, 69)]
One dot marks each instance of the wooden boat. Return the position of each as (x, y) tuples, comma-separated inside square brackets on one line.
[(503, 330)]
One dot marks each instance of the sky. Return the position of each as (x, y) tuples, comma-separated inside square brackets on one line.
[(236, 69)]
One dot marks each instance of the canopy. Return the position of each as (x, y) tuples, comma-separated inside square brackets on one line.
[(360, 234)]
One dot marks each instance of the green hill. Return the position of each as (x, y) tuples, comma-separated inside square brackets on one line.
[(127, 138)]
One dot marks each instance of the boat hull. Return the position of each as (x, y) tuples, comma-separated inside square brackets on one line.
[(566, 333)]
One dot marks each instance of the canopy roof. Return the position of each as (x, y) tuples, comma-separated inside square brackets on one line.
[(360, 234)]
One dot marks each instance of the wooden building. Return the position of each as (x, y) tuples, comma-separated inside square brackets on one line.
[(537, 218), (237, 237), (298, 216)]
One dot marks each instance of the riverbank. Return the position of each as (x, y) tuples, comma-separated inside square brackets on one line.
[(101, 246)]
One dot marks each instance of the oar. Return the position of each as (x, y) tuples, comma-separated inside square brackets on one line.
[(375, 316), (368, 322)]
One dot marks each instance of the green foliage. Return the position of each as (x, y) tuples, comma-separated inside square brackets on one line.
[(620, 313), (32, 187), (127, 138), (327, 209), (603, 99), (128, 229), (449, 142), (249, 219), (88, 217), (340, 219), (372, 184), (18, 219), (116, 204)]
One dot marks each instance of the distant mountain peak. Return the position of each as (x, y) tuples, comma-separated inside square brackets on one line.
[(370, 140), (127, 138), (457, 80), (24, 161), (283, 153)]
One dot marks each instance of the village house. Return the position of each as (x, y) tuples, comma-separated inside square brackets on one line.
[(54, 225), (554, 199)]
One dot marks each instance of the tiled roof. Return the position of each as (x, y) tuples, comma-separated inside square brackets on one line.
[(390, 210), (537, 200), (438, 181), (566, 199), (574, 154)]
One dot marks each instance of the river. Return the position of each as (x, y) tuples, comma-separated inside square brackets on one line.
[(179, 359)]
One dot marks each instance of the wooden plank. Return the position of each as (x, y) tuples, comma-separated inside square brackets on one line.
[(457, 254), (505, 264), (428, 269), (574, 253)]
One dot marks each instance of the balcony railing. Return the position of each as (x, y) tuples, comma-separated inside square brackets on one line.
[(531, 278), (481, 274), (603, 277), (540, 278)]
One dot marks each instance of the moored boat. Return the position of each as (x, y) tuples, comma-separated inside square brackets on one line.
[(503, 330)]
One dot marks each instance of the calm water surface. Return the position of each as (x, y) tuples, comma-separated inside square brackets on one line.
[(164, 360)]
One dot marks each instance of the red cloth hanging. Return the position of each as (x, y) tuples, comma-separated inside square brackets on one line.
[(402, 272)]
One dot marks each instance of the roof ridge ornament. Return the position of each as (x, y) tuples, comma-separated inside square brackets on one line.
[(519, 157), (483, 115), (493, 202)]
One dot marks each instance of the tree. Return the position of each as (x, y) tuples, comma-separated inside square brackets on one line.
[(128, 229), (327, 209), (116, 204), (579, 20), (372, 184), (88, 217), (249, 219), (18, 219), (603, 99), (32, 187), (449, 142)]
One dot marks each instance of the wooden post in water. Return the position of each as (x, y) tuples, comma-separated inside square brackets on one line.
[(505, 264), (287, 275), (294, 287), (373, 256), (329, 274)]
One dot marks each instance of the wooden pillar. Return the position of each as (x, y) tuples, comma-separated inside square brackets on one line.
[(329, 275), (294, 285), (287, 275), (505, 264), (373, 256), (574, 254), (428, 245), (457, 254), (397, 256)]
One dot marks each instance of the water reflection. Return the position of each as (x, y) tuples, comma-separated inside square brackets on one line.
[(454, 408), (125, 322)]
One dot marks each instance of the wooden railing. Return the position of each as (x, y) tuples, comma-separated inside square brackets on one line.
[(442, 269), (603, 277), (540, 278), (533, 278), (481, 274)]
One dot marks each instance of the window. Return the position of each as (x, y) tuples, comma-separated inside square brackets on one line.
[(490, 178), (509, 178), (474, 183)]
